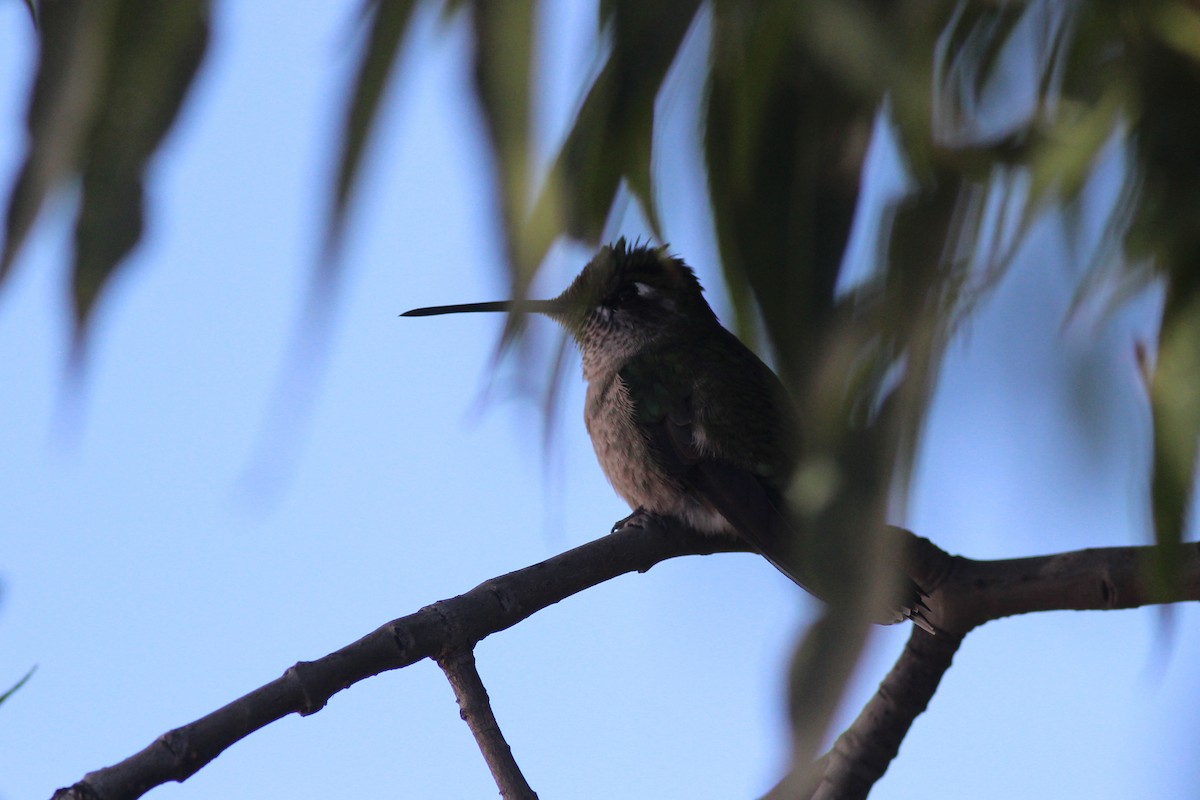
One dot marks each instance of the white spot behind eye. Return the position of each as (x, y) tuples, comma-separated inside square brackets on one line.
[(648, 292)]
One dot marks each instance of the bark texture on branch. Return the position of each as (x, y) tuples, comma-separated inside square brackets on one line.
[(476, 710), (963, 594), (447, 625)]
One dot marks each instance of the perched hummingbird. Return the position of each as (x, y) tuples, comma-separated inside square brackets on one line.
[(686, 421)]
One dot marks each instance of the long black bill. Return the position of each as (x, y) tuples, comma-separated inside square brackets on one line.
[(528, 306)]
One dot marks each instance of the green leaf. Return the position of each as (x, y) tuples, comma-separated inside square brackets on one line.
[(612, 135), (504, 31), (155, 50), (18, 685), (1165, 131), (112, 75), (1175, 404), (1063, 158), (784, 143), (389, 20), (927, 295), (72, 66)]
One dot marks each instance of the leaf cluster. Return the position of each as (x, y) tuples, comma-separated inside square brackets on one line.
[(1001, 112)]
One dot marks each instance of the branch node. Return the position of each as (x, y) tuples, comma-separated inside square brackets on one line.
[(78, 791), (1109, 595), (505, 599), (298, 674), (402, 638), (453, 639)]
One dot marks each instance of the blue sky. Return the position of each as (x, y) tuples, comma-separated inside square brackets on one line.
[(178, 530)]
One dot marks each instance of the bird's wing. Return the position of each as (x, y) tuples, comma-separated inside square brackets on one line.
[(754, 508), (661, 393), (759, 513)]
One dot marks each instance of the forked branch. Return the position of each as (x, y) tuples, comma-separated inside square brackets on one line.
[(476, 710), (963, 594)]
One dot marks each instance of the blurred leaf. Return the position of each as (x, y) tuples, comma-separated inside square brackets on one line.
[(612, 134), (72, 62), (504, 33), (1166, 228), (111, 77), (32, 5), (1179, 26), (1063, 158), (785, 137), (824, 656), (389, 19), (451, 7), (926, 297), (998, 74), (154, 52), (1175, 401), (18, 685), (965, 72), (789, 118), (844, 535)]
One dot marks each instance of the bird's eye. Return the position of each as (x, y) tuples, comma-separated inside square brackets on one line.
[(627, 292), (621, 297)]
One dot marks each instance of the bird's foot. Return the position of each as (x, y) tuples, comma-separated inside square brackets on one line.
[(918, 614), (640, 518), (917, 611)]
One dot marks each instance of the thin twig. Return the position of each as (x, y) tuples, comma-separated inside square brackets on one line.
[(476, 710)]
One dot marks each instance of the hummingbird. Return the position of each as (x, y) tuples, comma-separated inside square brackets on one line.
[(686, 421)]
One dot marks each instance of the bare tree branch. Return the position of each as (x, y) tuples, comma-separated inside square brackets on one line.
[(970, 592), (476, 710), (442, 627), (962, 595), (863, 752)]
